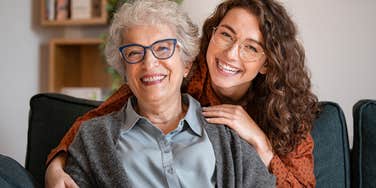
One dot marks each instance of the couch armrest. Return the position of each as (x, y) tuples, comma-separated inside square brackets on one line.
[(50, 117), (331, 149), (364, 148)]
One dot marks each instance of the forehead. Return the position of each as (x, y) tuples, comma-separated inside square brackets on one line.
[(146, 34), (243, 22)]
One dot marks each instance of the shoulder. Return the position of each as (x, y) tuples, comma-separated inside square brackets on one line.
[(100, 126), (225, 137), (233, 153)]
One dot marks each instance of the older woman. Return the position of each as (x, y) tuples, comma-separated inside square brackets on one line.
[(159, 138)]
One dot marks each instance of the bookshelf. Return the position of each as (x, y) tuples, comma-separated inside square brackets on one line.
[(76, 63), (100, 19)]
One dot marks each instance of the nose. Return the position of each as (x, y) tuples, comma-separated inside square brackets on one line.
[(149, 59), (232, 52)]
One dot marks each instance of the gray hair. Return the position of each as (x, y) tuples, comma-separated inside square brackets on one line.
[(151, 12)]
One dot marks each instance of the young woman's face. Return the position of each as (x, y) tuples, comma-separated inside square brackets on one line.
[(235, 54)]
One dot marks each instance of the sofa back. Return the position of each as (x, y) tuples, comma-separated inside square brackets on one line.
[(50, 117), (331, 149), (364, 148)]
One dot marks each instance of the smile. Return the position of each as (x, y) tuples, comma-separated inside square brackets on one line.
[(152, 79), (226, 68)]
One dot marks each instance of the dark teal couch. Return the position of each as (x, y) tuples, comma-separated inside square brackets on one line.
[(331, 151), (51, 115), (364, 148)]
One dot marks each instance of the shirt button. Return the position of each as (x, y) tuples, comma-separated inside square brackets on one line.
[(170, 170)]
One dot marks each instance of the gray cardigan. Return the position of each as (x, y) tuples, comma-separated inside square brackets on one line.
[(93, 161)]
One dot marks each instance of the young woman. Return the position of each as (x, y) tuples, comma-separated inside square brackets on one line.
[(252, 77)]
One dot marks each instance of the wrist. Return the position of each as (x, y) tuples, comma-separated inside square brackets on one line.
[(266, 157), (59, 161), (265, 151)]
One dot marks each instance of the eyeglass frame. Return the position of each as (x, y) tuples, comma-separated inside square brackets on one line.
[(175, 42), (234, 42)]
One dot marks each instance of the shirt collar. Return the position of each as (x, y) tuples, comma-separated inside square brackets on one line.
[(131, 116), (193, 117)]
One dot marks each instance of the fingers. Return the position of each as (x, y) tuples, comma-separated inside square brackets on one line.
[(228, 108), (220, 114), (69, 183), (221, 121), (217, 113), (224, 121), (223, 107), (56, 177), (225, 110)]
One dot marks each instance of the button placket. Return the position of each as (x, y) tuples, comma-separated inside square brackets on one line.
[(167, 162)]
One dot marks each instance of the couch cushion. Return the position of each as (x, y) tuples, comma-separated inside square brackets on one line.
[(331, 150), (12, 174), (364, 148), (50, 117)]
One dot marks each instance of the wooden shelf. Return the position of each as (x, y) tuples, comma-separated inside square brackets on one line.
[(101, 20), (76, 63)]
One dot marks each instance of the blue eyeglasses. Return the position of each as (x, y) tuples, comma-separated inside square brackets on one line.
[(135, 53)]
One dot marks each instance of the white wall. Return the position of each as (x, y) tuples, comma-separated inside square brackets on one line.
[(19, 52), (23, 54), (339, 37)]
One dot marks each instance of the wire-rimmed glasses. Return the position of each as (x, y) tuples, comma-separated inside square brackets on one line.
[(248, 50)]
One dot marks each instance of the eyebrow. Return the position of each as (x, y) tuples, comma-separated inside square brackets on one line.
[(229, 28), (233, 31)]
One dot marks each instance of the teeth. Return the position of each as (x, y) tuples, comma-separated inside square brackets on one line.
[(227, 68), (152, 78)]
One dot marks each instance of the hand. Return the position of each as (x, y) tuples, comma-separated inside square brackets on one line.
[(235, 117), (55, 176)]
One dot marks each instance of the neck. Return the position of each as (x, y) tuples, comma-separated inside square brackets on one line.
[(232, 95), (164, 114)]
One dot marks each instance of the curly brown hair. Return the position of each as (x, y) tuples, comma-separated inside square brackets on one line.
[(281, 101)]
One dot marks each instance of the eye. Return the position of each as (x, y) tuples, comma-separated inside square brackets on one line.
[(133, 53), (162, 49), (250, 48), (226, 35)]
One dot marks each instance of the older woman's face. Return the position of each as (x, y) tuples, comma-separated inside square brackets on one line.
[(153, 79), (227, 67)]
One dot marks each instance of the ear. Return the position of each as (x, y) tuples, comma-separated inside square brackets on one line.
[(187, 69), (264, 68)]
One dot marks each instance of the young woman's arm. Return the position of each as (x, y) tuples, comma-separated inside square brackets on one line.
[(293, 170), (296, 168), (56, 159)]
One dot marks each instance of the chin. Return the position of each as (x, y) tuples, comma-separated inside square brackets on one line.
[(222, 83)]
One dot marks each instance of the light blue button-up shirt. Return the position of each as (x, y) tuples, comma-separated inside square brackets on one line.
[(182, 158)]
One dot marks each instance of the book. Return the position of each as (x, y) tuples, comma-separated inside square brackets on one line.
[(91, 93), (50, 9), (62, 9), (97, 8), (81, 9)]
